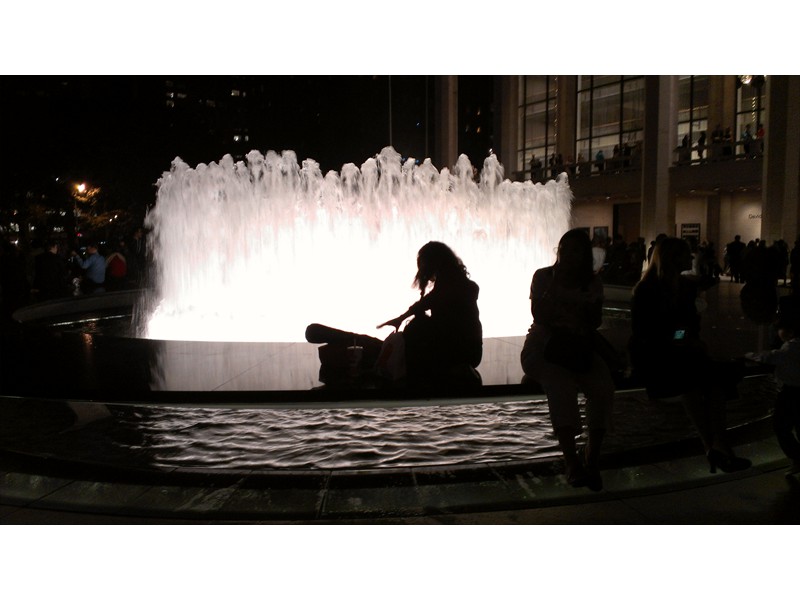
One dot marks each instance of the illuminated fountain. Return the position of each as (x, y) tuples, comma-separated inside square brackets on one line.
[(257, 250)]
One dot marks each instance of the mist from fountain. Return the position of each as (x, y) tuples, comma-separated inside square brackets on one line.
[(258, 249)]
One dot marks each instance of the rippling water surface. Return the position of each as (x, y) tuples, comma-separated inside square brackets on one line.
[(341, 438), (352, 438)]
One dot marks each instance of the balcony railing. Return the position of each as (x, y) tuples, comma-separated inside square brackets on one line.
[(719, 152), (714, 153)]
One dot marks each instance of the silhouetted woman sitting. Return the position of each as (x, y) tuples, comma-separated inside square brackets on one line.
[(452, 336), (667, 354), (566, 304), (445, 345)]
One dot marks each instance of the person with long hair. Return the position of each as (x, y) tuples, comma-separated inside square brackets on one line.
[(566, 305), (668, 356), (444, 347), (452, 335)]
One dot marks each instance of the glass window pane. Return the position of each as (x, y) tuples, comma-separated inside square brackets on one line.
[(606, 144), (700, 96), (605, 80), (552, 107), (605, 111), (583, 114), (633, 105), (535, 88), (584, 151), (684, 98), (535, 125)]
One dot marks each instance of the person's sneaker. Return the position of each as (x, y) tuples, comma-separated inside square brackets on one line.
[(793, 469)]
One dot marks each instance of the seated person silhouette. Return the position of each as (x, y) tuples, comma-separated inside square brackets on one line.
[(566, 304), (439, 350), (669, 357)]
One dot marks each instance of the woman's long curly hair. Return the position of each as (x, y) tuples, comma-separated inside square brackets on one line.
[(436, 261), (575, 263)]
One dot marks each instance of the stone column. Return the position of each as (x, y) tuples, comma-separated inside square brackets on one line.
[(660, 139), (507, 123), (446, 151), (567, 115), (713, 213), (721, 103), (781, 171)]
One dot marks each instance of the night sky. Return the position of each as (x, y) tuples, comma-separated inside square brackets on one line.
[(119, 132)]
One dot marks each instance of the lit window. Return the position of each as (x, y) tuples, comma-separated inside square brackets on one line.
[(235, 93), (236, 138), (170, 104), (181, 96)]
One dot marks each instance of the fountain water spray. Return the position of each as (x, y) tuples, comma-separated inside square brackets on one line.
[(256, 250)]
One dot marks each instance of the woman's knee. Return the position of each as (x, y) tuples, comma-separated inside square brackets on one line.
[(564, 413)]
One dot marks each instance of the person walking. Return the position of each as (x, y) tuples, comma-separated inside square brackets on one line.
[(734, 256)]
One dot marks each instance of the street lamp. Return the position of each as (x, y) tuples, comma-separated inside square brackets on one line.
[(80, 190)]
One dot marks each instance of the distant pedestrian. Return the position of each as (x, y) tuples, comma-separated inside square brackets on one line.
[(116, 268), (727, 142), (760, 139), (701, 145), (94, 269), (600, 160), (717, 136), (536, 169), (734, 257), (746, 139), (51, 276)]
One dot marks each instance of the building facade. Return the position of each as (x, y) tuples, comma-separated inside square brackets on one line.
[(701, 157)]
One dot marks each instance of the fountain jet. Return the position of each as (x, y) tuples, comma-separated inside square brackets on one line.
[(258, 249)]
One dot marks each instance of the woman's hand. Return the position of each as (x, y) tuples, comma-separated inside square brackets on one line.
[(396, 322)]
